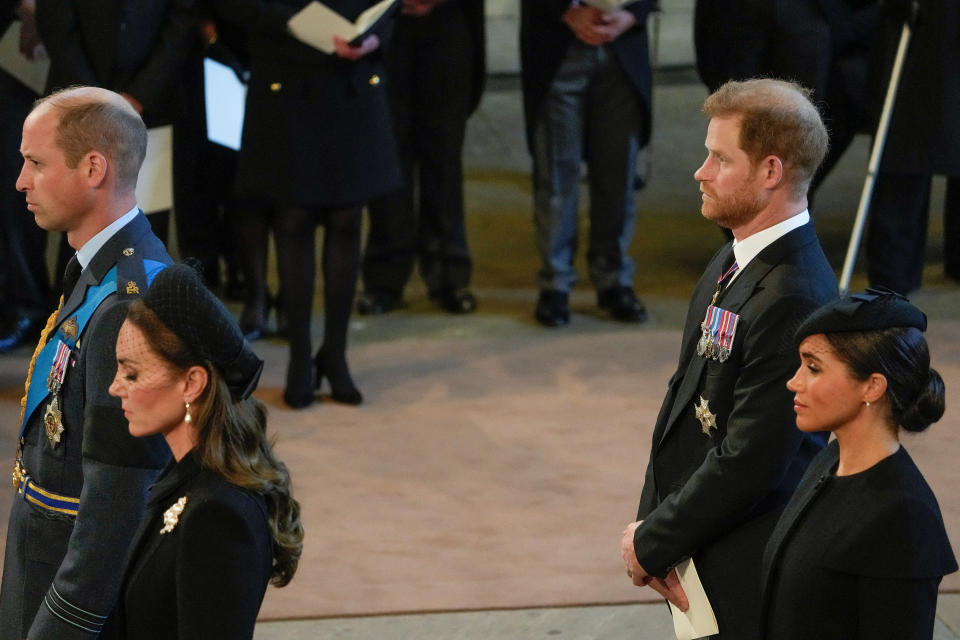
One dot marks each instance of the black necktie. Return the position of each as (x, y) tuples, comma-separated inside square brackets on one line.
[(70, 276)]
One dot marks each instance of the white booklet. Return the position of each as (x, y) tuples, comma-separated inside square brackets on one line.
[(32, 73), (155, 182), (316, 24), (225, 97), (607, 5), (699, 620)]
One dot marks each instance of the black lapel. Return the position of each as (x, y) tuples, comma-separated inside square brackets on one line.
[(174, 480)]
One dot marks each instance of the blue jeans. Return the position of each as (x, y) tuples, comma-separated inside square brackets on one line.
[(591, 112)]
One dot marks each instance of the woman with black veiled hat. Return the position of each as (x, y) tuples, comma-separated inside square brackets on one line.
[(861, 547), (220, 522)]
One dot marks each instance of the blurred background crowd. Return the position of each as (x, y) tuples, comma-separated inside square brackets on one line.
[(378, 127)]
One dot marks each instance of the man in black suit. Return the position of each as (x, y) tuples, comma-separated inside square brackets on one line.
[(81, 479), (24, 287), (436, 66), (586, 94), (726, 453)]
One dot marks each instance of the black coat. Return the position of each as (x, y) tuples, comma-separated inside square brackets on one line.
[(129, 46), (544, 40), (205, 578), (317, 129), (716, 498), (96, 460), (858, 556), (924, 135)]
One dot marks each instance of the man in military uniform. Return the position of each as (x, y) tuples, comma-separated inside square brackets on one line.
[(80, 477), (726, 453)]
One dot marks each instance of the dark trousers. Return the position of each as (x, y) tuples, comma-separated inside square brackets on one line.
[(24, 283), (897, 230), (203, 176), (429, 67)]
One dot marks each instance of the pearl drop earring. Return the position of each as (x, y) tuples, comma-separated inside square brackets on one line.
[(188, 418)]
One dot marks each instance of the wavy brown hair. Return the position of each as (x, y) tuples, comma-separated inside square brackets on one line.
[(232, 442)]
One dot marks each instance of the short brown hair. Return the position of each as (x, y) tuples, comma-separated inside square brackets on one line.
[(777, 118), (93, 119)]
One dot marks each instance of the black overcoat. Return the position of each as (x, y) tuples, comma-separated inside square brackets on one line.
[(865, 552), (544, 40), (924, 135), (317, 129), (78, 562), (717, 497), (129, 46), (206, 576)]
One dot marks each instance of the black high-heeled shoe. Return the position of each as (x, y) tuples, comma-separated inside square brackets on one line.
[(342, 388)]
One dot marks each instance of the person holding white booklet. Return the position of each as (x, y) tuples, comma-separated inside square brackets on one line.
[(317, 145)]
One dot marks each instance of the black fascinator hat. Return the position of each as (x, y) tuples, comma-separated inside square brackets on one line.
[(184, 304), (871, 310)]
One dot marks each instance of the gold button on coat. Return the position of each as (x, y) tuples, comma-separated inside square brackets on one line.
[(275, 86), (374, 80)]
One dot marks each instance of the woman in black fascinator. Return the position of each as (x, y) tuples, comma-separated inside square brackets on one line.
[(220, 522), (861, 547)]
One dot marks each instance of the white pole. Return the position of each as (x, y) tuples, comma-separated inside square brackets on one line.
[(878, 143)]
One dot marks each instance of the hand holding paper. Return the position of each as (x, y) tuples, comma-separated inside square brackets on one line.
[(317, 25), (348, 52), (669, 587)]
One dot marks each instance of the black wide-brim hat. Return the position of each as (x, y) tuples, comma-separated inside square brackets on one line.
[(871, 310), (190, 310)]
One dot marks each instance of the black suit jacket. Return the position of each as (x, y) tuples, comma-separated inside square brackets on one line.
[(129, 46), (97, 460), (847, 547), (544, 40), (716, 497), (206, 577), (318, 128)]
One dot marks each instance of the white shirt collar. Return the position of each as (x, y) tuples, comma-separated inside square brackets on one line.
[(747, 249), (86, 253)]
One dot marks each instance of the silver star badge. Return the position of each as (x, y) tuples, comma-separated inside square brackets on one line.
[(707, 420)]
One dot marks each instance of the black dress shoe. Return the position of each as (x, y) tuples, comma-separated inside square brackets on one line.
[(456, 301), (622, 304), (20, 332), (375, 303), (553, 308)]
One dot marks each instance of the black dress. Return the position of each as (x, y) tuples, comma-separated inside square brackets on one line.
[(856, 556), (203, 573)]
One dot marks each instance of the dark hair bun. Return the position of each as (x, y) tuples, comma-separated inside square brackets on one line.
[(927, 407)]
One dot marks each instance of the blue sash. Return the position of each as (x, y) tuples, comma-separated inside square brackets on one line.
[(38, 391)]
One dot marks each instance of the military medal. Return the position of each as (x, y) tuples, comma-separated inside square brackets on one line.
[(707, 420), (53, 422), (702, 342)]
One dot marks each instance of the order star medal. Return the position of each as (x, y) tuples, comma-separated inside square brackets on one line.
[(707, 420), (53, 422)]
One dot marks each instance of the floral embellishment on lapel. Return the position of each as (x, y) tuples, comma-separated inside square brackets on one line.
[(171, 517)]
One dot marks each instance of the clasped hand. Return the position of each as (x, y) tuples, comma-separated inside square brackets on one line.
[(595, 27), (668, 586)]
